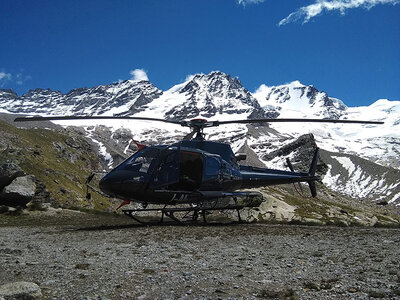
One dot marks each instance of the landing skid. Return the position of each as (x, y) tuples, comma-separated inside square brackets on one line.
[(190, 214)]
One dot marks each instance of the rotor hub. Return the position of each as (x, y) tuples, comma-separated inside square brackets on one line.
[(197, 126)]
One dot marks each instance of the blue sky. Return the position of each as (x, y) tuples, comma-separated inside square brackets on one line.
[(348, 48)]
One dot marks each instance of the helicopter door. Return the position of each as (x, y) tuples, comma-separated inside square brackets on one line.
[(190, 170), (167, 173)]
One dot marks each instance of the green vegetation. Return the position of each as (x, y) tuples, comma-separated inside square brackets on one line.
[(330, 208), (60, 159)]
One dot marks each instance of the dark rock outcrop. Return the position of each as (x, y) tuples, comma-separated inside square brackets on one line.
[(302, 150), (8, 172)]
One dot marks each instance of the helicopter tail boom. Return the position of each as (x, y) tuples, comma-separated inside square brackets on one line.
[(253, 177)]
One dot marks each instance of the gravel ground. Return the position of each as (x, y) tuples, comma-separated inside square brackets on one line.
[(83, 256)]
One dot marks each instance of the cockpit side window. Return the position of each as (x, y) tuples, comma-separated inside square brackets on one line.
[(213, 166)]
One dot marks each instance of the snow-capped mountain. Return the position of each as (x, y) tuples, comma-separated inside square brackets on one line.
[(352, 175), (295, 98), (122, 97), (218, 96), (380, 144)]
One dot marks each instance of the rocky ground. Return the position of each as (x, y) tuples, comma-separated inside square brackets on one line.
[(75, 255)]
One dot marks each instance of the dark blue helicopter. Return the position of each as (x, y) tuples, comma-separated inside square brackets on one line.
[(194, 171)]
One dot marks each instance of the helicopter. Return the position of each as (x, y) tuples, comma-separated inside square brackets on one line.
[(194, 175)]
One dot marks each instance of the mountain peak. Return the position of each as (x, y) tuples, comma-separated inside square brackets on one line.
[(216, 83), (296, 84), (208, 95), (295, 97), (9, 93), (213, 75)]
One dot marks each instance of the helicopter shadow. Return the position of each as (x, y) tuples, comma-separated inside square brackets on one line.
[(158, 224)]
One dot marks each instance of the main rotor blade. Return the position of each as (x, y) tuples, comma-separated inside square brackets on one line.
[(60, 118), (295, 120), (196, 122)]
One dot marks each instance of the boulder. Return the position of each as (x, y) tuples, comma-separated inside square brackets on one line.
[(19, 192), (20, 290), (271, 209), (8, 172)]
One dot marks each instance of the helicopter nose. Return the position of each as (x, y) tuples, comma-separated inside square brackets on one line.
[(109, 185), (121, 184)]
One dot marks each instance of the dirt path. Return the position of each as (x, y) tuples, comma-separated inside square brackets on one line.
[(101, 257)]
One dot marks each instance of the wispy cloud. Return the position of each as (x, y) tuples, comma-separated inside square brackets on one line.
[(4, 78), (21, 78), (138, 75), (245, 2), (189, 77), (9, 79), (305, 13)]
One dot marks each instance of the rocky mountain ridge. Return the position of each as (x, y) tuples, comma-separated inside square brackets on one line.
[(121, 97)]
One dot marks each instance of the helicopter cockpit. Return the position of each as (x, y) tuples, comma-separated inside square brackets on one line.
[(143, 162), (163, 167)]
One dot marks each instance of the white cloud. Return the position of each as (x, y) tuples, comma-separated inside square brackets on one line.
[(20, 78), (244, 2), (312, 10), (8, 79), (189, 77), (4, 78), (138, 75)]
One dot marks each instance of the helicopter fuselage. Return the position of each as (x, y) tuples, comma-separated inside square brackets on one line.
[(191, 171)]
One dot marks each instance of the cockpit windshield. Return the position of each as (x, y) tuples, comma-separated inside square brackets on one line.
[(143, 161)]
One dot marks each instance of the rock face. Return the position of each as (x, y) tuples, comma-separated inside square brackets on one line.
[(360, 178), (300, 152), (20, 290), (8, 172), (19, 192)]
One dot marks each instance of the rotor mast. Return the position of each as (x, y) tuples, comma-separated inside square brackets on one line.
[(197, 126)]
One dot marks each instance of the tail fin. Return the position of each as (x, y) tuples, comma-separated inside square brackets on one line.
[(313, 188), (311, 172), (313, 166)]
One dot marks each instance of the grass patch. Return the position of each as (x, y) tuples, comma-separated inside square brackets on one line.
[(60, 159)]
